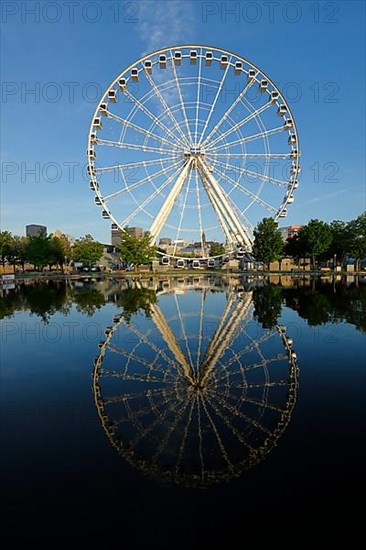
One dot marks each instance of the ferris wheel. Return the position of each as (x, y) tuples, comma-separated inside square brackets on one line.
[(195, 144), (193, 406)]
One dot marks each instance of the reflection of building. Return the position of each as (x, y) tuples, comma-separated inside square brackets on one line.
[(34, 229), (289, 231)]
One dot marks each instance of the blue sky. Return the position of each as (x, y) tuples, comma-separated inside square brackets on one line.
[(315, 51)]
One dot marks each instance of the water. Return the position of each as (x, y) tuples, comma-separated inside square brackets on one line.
[(167, 412)]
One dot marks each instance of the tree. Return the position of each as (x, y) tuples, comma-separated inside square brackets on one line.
[(341, 241), (294, 247), (87, 250), (39, 250), (136, 250), (17, 253), (217, 249), (316, 237), (268, 243), (5, 243), (57, 252), (65, 245), (357, 232)]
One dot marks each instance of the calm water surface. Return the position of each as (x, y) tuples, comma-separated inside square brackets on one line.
[(166, 412)]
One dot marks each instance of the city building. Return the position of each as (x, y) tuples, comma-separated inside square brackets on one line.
[(289, 231), (116, 233), (136, 232), (166, 241), (34, 229)]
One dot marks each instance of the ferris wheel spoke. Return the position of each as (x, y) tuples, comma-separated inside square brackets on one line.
[(141, 182), (132, 165), (280, 183), (233, 105), (246, 191), (167, 108), (282, 156), (198, 98), (141, 130), (199, 211), (236, 411), (136, 146), (153, 117), (246, 139), (150, 198), (216, 432), (181, 102), (241, 123), (214, 103), (190, 400)]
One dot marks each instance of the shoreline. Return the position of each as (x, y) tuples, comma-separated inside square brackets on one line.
[(179, 273)]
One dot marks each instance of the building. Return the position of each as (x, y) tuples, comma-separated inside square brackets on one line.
[(289, 231), (116, 236), (166, 241), (33, 229), (117, 233), (136, 232)]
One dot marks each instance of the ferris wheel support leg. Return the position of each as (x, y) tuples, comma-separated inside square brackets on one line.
[(165, 210), (223, 335), (226, 210)]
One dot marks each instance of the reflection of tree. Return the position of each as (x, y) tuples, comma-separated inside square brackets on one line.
[(315, 307), (190, 405), (88, 300), (40, 298), (267, 304), (134, 299), (327, 303)]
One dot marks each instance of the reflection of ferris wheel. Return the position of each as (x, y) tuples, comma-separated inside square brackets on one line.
[(196, 144), (194, 398)]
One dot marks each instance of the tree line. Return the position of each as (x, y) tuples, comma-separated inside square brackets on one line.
[(44, 250), (317, 240)]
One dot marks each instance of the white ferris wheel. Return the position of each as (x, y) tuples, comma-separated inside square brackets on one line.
[(196, 145)]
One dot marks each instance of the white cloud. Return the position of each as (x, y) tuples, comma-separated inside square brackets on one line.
[(165, 23)]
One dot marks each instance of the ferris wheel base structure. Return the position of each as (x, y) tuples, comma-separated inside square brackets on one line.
[(170, 120)]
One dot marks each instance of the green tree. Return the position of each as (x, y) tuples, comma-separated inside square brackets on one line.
[(357, 231), (316, 237), (87, 250), (217, 249), (65, 244), (341, 241), (17, 253), (268, 243), (136, 250), (5, 244), (39, 250)]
